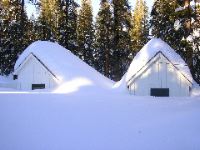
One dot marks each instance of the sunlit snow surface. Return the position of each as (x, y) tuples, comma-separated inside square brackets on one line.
[(92, 118), (98, 121), (91, 115)]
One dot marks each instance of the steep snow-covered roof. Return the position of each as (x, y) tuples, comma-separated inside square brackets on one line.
[(154, 46), (62, 63)]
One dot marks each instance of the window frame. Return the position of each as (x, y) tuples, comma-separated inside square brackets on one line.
[(38, 86), (159, 92)]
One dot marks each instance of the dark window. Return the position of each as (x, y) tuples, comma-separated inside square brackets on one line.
[(190, 89), (38, 86), (160, 92), (15, 77)]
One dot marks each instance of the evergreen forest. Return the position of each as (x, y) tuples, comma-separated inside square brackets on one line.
[(108, 41)]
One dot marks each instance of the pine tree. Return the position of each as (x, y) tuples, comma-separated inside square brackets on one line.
[(188, 20), (35, 25), (140, 29), (4, 5), (196, 50), (122, 39), (67, 24), (34, 31), (49, 16), (104, 38), (189, 23), (5, 53), (14, 26), (85, 33), (145, 24), (173, 22), (184, 18), (18, 31), (162, 19), (195, 25)]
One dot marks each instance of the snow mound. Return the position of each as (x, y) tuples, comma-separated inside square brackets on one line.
[(7, 84), (154, 46), (196, 90), (121, 86), (71, 72), (4, 79), (150, 50)]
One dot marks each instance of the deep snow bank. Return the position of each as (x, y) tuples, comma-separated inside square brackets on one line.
[(4, 79), (98, 122), (196, 90), (7, 84)]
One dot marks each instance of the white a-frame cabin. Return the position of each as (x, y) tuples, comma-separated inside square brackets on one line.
[(47, 65), (37, 66), (157, 70)]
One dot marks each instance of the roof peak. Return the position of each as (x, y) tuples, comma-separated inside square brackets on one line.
[(154, 46)]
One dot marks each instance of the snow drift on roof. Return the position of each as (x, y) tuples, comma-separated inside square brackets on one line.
[(63, 63), (146, 53), (149, 50)]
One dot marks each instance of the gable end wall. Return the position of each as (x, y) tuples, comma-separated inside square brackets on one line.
[(33, 72), (160, 74)]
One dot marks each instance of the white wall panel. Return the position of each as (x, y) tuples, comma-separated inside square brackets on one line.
[(161, 74), (33, 72)]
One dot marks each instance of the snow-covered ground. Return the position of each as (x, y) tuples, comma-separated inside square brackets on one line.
[(98, 122), (196, 91), (93, 118), (93, 114), (6, 84), (3, 79)]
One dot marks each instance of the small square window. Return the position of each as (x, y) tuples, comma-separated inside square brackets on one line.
[(15, 77)]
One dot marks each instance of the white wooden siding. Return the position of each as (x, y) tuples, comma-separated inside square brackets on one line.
[(160, 74), (33, 72)]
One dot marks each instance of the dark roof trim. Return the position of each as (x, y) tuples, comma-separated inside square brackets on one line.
[(152, 59), (40, 62)]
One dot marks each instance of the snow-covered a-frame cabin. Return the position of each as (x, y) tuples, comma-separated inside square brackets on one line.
[(157, 70), (47, 65), (34, 68)]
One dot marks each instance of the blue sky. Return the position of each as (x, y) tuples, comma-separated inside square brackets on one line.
[(95, 4)]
